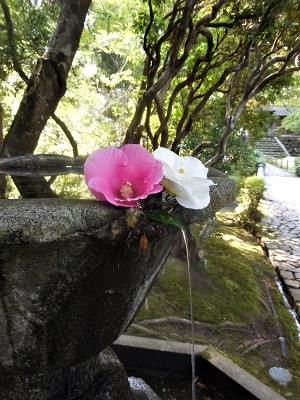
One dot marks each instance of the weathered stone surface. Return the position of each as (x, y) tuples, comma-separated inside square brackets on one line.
[(72, 278), (292, 283), (282, 266), (64, 301), (44, 220), (270, 245), (296, 294), (100, 378), (287, 274), (284, 247)]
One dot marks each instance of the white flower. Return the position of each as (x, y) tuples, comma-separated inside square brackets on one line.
[(184, 177)]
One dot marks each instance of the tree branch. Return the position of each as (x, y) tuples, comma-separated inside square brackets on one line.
[(11, 41), (203, 145), (68, 134)]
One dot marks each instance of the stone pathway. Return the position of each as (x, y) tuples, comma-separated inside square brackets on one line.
[(282, 224)]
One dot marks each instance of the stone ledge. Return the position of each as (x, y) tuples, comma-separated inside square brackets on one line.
[(45, 220), (223, 368)]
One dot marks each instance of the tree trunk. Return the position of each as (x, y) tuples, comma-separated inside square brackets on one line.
[(2, 177)]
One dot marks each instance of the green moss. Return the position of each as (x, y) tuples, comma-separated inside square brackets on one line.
[(206, 355), (226, 289), (231, 289)]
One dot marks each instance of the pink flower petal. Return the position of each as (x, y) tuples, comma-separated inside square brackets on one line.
[(127, 203), (143, 170), (108, 194), (94, 186), (108, 163), (123, 176)]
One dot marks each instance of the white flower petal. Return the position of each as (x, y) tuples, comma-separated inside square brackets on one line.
[(196, 186), (190, 197), (193, 202), (169, 172), (174, 188), (194, 167), (166, 157), (186, 178)]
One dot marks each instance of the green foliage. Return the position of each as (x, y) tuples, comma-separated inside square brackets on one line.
[(102, 83), (297, 166), (71, 186), (208, 96), (126, 49), (30, 29), (165, 218), (255, 119), (241, 158), (250, 193), (289, 94), (292, 122), (260, 158)]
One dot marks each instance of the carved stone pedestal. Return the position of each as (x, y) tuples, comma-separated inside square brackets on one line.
[(72, 278)]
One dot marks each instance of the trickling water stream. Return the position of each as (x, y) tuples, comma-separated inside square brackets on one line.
[(192, 316), (168, 218)]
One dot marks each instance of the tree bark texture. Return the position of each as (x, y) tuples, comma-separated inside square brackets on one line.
[(2, 177)]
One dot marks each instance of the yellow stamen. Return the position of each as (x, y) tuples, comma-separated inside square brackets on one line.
[(181, 171), (126, 190)]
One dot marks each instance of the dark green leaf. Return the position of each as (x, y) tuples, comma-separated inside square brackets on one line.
[(165, 218)]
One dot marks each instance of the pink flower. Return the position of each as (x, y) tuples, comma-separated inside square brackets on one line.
[(123, 176)]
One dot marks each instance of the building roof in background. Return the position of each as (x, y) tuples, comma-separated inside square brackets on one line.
[(282, 111)]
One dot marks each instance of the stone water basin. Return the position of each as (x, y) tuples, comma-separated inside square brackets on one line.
[(166, 367)]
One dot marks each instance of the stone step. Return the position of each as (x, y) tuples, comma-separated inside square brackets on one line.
[(270, 148)]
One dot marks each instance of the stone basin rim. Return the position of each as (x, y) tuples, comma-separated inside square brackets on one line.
[(44, 220)]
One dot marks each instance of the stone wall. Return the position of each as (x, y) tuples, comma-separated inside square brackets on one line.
[(292, 144)]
